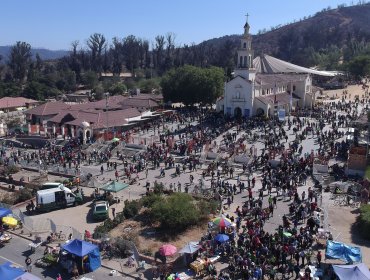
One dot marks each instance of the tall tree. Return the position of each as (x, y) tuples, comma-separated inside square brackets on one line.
[(97, 45), (117, 56), (159, 53), (19, 60)]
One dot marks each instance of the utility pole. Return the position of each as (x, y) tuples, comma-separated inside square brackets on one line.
[(106, 112)]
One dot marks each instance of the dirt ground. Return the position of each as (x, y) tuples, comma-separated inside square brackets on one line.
[(149, 240), (342, 222)]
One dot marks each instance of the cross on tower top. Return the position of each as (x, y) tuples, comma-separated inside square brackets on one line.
[(247, 15)]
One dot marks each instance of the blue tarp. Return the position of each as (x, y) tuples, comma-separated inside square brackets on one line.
[(82, 248), (338, 250), (5, 212), (79, 247), (352, 272), (7, 272)]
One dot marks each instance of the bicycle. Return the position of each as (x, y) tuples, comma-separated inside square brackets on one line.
[(55, 236)]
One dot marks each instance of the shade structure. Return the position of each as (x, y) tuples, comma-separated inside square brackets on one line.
[(27, 276), (81, 249), (10, 221), (167, 250), (222, 238), (114, 186), (115, 139), (222, 222), (352, 272), (5, 212), (10, 272), (190, 248), (287, 234)]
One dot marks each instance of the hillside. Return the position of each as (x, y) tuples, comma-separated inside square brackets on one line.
[(45, 54), (296, 42)]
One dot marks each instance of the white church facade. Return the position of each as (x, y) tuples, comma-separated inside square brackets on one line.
[(264, 85)]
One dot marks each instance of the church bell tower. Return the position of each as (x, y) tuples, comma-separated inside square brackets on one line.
[(244, 67)]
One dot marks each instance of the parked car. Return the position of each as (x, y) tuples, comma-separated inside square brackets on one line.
[(101, 210)]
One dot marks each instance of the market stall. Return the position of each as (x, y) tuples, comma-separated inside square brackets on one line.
[(352, 272), (81, 254), (10, 272)]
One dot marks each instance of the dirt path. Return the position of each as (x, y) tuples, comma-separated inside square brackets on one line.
[(342, 220)]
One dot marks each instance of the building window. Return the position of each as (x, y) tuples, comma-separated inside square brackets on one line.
[(241, 61), (308, 88), (263, 92), (244, 45)]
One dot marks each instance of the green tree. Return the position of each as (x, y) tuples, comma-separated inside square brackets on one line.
[(19, 60), (176, 212), (190, 84), (117, 88), (360, 66)]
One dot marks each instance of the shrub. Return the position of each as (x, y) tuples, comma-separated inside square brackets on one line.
[(158, 188), (176, 212), (23, 195), (122, 247), (149, 200), (364, 221), (104, 228), (132, 208)]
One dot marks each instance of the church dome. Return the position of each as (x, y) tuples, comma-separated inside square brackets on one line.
[(85, 124)]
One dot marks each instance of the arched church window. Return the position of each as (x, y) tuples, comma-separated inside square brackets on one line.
[(245, 61), (244, 45), (293, 87), (241, 61)]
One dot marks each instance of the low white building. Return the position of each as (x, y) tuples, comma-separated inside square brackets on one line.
[(265, 85)]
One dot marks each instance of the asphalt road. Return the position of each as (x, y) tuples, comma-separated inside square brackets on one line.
[(17, 250)]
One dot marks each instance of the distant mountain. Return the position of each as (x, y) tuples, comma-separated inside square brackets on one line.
[(344, 29), (45, 54)]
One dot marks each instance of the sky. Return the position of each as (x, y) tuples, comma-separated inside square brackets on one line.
[(54, 24)]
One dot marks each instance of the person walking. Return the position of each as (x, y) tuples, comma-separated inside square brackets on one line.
[(114, 212), (28, 262)]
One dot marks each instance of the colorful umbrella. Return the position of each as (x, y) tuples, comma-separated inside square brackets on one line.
[(287, 234), (115, 139), (222, 222), (10, 221), (222, 238), (167, 250)]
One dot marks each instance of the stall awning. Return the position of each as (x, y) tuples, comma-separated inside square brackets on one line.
[(79, 247)]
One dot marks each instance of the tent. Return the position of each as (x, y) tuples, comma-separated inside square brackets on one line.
[(9, 272), (190, 248), (352, 272), (5, 212), (81, 249), (338, 250), (114, 186)]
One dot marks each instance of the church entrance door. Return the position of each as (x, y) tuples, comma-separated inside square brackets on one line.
[(237, 112)]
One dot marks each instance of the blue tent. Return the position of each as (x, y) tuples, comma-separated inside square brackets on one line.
[(7, 272), (82, 248), (352, 272), (5, 212), (338, 250)]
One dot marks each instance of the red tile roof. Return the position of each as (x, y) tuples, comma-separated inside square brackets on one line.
[(14, 102), (48, 108)]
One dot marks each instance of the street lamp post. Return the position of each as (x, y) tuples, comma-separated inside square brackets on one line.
[(106, 112)]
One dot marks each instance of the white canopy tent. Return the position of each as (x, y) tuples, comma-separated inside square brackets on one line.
[(270, 65)]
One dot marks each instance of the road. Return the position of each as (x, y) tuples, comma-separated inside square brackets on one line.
[(17, 251)]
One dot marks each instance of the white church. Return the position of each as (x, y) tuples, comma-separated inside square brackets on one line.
[(265, 85)]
